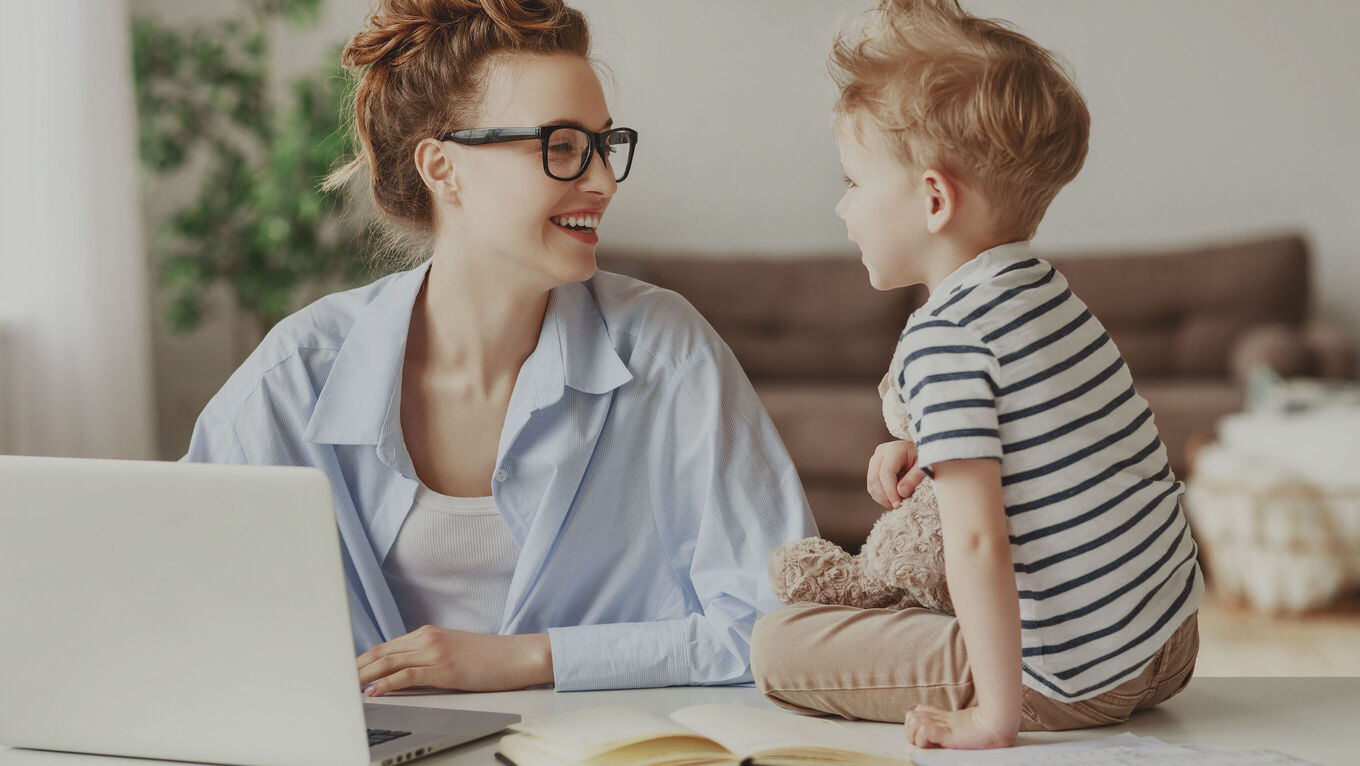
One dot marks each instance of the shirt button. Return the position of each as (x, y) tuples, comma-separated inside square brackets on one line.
[(502, 475)]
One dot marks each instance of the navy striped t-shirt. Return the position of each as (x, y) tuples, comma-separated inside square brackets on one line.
[(1003, 362)]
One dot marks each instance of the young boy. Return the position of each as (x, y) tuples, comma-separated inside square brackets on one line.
[(1068, 558)]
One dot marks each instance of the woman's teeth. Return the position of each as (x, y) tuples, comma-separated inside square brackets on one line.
[(577, 222)]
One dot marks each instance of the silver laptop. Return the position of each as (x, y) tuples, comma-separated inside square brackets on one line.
[(188, 612)]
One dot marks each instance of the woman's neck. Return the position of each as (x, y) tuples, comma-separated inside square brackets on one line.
[(475, 322)]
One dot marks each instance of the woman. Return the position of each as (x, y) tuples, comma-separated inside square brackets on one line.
[(541, 474)]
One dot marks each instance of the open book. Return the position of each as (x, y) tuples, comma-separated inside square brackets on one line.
[(698, 735)]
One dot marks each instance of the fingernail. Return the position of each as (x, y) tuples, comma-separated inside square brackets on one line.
[(368, 690)]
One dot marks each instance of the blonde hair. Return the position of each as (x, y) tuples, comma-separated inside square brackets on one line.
[(420, 67), (968, 96)]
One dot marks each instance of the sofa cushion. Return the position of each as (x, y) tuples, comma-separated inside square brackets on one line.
[(830, 429), (843, 511), (1179, 312), (795, 318), (815, 338)]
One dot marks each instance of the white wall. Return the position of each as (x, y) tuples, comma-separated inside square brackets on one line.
[(1210, 119)]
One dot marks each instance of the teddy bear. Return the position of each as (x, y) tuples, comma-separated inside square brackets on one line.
[(901, 564)]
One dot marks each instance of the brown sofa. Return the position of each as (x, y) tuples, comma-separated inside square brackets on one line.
[(815, 339)]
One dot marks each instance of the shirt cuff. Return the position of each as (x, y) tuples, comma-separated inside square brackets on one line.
[(631, 655)]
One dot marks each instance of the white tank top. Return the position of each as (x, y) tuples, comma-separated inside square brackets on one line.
[(451, 563)]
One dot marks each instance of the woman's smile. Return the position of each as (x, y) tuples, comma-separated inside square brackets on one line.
[(579, 224)]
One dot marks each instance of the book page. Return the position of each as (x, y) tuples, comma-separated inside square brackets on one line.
[(527, 750), (582, 734), (747, 731)]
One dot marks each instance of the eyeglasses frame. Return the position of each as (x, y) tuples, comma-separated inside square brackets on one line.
[(597, 145)]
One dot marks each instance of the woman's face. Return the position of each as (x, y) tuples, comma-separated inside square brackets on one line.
[(505, 205)]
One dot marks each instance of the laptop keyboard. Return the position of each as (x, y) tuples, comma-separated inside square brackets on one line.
[(379, 736)]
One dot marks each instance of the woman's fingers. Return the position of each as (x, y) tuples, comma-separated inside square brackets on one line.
[(395, 646), (399, 680), (375, 669), (407, 650), (407, 642), (392, 663)]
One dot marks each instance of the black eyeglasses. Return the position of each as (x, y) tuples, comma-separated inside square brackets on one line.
[(567, 149)]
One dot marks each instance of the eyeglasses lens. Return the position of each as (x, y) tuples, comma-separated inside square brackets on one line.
[(620, 147), (569, 149)]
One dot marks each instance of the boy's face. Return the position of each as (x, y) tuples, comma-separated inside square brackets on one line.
[(884, 207)]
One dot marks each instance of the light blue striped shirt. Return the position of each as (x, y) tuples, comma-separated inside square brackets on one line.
[(637, 471)]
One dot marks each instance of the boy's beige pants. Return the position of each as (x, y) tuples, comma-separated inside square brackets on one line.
[(877, 664)]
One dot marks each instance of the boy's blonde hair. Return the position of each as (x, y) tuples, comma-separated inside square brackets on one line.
[(968, 96)]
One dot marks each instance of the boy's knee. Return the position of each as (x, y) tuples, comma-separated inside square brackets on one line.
[(765, 648), (777, 647), (775, 660)]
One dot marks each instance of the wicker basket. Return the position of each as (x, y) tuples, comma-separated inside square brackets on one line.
[(1269, 536)]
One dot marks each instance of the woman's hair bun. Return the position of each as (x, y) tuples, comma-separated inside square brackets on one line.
[(397, 28), (416, 66)]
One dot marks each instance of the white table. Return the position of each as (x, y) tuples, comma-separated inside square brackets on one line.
[(1313, 718)]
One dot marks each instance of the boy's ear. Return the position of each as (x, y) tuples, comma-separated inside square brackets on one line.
[(941, 200), (436, 167)]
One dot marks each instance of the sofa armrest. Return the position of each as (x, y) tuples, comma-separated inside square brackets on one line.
[(1317, 349)]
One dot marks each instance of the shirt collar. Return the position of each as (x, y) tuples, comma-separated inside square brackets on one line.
[(574, 348), (360, 402), (978, 269)]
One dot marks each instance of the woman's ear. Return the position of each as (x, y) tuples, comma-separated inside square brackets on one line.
[(434, 162), (942, 200)]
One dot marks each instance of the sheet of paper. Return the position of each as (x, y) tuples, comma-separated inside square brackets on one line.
[(1123, 750)]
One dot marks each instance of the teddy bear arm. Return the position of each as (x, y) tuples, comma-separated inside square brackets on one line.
[(817, 571)]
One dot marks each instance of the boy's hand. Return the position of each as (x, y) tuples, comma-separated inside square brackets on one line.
[(893, 474), (966, 729)]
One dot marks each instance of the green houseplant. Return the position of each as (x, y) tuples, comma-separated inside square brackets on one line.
[(259, 222)]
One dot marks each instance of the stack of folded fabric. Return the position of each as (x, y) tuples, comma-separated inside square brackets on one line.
[(1275, 501)]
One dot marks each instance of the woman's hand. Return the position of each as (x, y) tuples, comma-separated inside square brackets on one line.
[(455, 659), (886, 480), (967, 729)]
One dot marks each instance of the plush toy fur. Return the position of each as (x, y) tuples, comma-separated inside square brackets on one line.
[(901, 564)]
